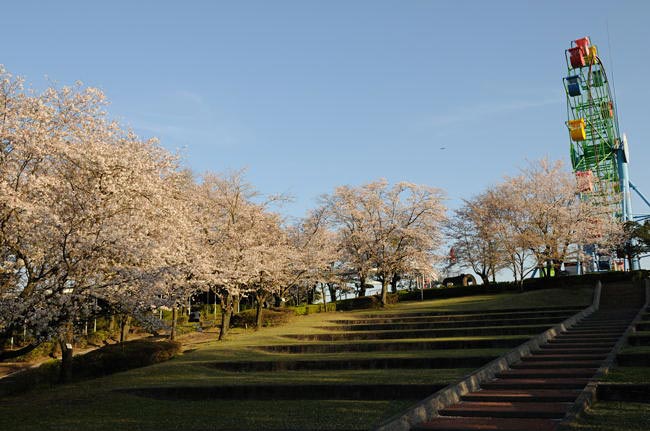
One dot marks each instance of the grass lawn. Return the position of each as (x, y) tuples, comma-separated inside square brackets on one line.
[(628, 375), (127, 412), (95, 405), (615, 416)]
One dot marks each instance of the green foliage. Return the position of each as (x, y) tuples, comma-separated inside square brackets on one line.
[(301, 310), (564, 282), (106, 360), (270, 316)]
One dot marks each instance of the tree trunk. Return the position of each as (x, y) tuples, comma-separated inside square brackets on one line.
[(125, 324), (226, 314), (259, 307), (393, 283), (236, 300), (310, 295), (322, 289), (112, 326), (384, 291), (332, 289), (172, 332), (362, 284), (65, 341), (485, 278)]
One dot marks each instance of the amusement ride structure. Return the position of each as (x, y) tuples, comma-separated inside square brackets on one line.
[(599, 152)]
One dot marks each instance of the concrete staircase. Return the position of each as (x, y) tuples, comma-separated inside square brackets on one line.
[(536, 393)]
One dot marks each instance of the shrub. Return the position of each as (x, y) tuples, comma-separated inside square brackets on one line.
[(106, 360), (366, 302), (124, 356), (312, 308), (270, 317)]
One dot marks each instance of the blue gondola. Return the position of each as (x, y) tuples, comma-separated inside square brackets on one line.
[(573, 85)]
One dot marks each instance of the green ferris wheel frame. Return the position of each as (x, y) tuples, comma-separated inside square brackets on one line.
[(595, 149)]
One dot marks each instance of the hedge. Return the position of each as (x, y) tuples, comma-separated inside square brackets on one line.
[(365, 302), (562, 282), (270, 317)]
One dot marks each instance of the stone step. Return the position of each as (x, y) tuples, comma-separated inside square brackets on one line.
[(539, 383), (483, 424), (534, 373), (530, 364), (530, 395), (617, 332), (601, 328), (572, 351), (578, 338), (603, 323), (582, 342), (575, 348), (550, 410), (564, 357), (590, 337)]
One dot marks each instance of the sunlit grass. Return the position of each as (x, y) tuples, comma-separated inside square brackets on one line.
[(95, 405)]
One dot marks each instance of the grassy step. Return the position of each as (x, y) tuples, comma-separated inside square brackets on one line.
[(353, 364), (483, 312), (371, 346), (643, 326), (550, 321), (286, 392), (423, 333), (633, 359), (534, 373), (551, 410), (482, 424), (538, 383), (639, 339), (530, 395), (627, 392), (461, 317)]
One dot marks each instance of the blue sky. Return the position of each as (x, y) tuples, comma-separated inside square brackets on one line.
[(309, 95)]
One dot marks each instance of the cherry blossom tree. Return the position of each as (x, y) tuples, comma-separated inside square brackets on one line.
[(82, 205), (474, 232), (390, 230)]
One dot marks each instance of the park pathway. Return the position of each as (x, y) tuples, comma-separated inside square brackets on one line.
[(536, 393)]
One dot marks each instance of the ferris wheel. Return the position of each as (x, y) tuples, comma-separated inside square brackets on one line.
[(599, 153)]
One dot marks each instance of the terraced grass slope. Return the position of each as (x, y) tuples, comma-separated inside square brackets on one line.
[(324, 371)]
